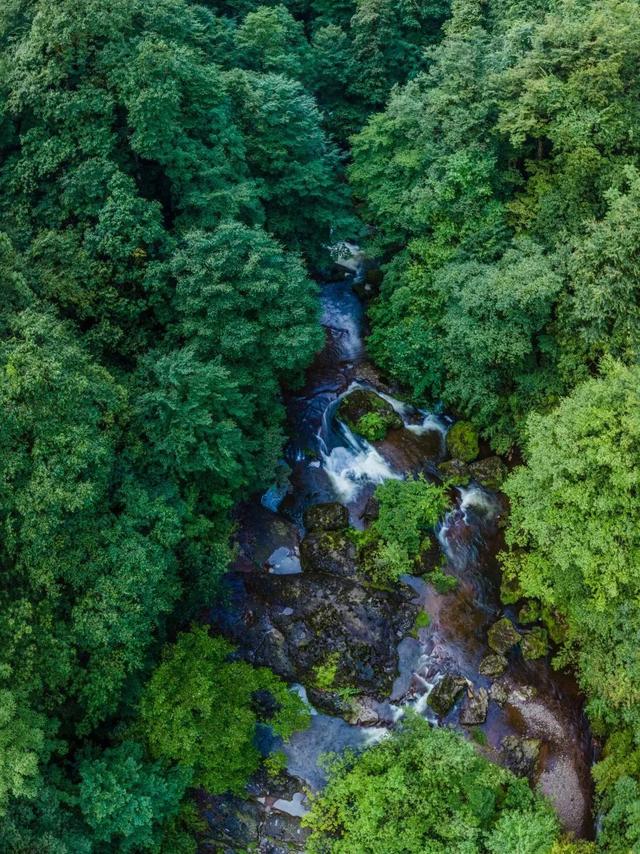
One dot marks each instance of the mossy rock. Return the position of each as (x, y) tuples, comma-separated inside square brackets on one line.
[(521, 754), (510, 590), (462, 441), (529, 612), (367, 414), (535, 644), (328, 516), (493, 666), (373, 427), (502, 636), (446, 693), (490, 472), (455, 471), (332, 552), (555, 624)]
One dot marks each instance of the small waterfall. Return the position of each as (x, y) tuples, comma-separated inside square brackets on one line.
[(461, 533), (417, 421), (475, 498), (354, 464)]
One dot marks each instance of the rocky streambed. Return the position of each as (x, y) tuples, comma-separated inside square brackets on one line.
[(299, 603)]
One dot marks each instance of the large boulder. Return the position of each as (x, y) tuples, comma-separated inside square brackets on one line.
[(307, 624), (455, 471), (503, 635), (462, 441), (367, 414), (332, 552), (520, 755), (446, 693), (329, 516), (529, 612), (490, 472), (535, 643)]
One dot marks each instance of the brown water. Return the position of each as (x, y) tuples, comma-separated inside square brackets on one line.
[(329, 463)]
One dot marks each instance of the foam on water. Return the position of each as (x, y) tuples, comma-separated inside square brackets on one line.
[(326, 734), (478, 499), (353, 464), (430, 423), (349, 470)]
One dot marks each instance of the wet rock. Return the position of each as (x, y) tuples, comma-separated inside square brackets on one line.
[(275, 648), (462, 441), (475, 706), (260, 535), (330, 516), (445, 694), (283, 830), (268, 820), (535, 644), (430, 556), (331, 701), (330, 552), (456, 471), (371, 510), (490, 472), (355, 629), (493, 666), (502, 635), (231, 823), (521, 754), (368, 414)]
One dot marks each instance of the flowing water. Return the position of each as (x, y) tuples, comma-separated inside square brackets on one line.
[(328, 462)]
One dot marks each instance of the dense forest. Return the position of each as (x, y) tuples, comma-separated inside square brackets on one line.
[(172, 174)]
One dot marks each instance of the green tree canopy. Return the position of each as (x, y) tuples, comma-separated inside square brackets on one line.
[(574, 532), (427, 789), (201, 708)]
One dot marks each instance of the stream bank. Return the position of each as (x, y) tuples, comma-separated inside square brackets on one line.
[(361, 657)]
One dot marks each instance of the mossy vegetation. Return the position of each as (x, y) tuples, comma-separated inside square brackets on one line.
[(395, 542), (462, 441)]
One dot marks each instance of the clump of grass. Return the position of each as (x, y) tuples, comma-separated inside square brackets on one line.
[(324, 675), (422, 621)]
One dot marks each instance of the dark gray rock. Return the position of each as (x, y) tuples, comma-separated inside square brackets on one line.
[(520, 755), (490, 472), (336, 620), (331, 552), (445, 694), (371, 510), (329, 516)]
